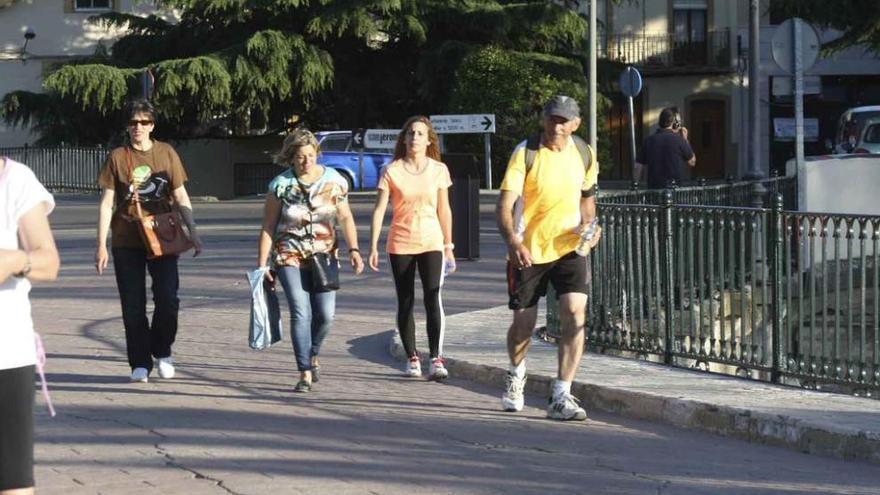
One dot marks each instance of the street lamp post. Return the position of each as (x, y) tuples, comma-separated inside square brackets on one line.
[(755, 169), (591, 88)]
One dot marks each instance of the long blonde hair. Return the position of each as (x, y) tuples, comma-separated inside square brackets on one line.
[(433, 150), (297, 139)]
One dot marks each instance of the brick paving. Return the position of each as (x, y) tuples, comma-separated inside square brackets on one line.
[(229, 422)]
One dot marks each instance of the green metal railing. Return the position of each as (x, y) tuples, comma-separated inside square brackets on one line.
[(62, 168), (777, 295), (729, 193)]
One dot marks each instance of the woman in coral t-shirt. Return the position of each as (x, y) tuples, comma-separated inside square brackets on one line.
[(420, 237)]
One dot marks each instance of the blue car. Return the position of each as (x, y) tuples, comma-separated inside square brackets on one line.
[(337, 153)]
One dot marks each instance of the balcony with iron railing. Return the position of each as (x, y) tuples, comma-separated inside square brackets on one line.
[(670, 53)]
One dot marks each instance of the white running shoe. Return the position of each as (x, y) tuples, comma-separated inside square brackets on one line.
[(414, 367), (512, 400), (140, 375), (166, 368), (566, 407), (438, 371)]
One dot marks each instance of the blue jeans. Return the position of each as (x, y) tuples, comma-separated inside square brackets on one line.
[(311, 314)]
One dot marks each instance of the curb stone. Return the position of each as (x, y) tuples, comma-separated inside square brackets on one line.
[(777, 430)]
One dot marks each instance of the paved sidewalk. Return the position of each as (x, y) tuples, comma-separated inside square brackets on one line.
[(229, 423), (808, 421)]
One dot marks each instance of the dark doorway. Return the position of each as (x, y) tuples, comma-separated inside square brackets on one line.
[(707, 132), (618, 128)]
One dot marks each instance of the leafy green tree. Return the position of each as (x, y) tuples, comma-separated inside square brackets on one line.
[(857, 20), (513, 86), (244, 66)]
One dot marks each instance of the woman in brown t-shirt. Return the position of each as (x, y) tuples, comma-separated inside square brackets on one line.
[(155, 169)]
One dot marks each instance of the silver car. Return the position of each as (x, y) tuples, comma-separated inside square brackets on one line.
[(869, 141), (852, 129)]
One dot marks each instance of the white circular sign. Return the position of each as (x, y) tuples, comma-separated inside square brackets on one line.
[(783, 45)]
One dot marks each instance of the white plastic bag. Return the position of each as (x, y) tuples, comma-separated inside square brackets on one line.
[(265, 327)]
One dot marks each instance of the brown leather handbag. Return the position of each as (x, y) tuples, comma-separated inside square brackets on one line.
[(162, 233)]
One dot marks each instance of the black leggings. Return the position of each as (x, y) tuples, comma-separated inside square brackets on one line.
[(430, 265)]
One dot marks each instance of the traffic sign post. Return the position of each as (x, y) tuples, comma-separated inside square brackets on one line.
[(480, 123), (357, 139), (357, 143), (464, 124), (384, 139), (631, 86), (795, 49), (147, 83)]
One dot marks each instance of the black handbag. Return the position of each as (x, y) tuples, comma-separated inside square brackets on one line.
[(325, 271), (324, 266)]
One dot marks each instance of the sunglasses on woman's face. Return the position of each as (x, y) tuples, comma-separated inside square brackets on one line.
[(135, 122)]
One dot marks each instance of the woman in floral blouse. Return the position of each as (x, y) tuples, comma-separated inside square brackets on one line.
[(303, 207)]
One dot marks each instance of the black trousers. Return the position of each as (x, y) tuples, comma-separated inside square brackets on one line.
[(145, 339), (430, 266), (17, 428)]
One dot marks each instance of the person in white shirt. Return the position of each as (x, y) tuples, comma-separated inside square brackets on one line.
[(27, 252)]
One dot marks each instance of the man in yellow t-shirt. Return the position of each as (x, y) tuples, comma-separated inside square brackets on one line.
[(541, 211)]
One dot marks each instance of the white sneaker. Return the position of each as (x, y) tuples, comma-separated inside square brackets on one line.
[(414, 367), (140, 375), (512, 400), (438, 370), (566, 408), (166, 368)]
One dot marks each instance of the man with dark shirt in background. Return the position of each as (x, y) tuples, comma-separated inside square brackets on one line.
[(665, 153)]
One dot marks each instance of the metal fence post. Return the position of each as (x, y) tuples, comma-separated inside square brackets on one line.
[(776, 280), (668, 273)]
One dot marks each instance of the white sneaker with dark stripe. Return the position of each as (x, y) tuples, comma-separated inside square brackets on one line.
[(513, 399), (565, 407)]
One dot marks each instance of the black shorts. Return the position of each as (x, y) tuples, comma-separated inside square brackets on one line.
[(17, 428), (526, 286)]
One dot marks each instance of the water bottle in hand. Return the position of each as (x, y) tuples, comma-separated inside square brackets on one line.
[(447, 267), (583, 247)]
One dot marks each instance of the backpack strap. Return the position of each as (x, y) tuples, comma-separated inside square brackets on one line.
[(534, 142), (588, 157), (586, 152)]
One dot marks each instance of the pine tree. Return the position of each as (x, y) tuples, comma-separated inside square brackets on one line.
[(233, 66)]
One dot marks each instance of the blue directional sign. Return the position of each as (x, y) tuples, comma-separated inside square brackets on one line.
[(630, 82)]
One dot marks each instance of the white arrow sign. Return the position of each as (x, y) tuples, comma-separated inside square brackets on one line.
[(384, 139), (479, 123)]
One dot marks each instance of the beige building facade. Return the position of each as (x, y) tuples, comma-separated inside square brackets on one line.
[(686, 51), (694, 55), (35, 34)]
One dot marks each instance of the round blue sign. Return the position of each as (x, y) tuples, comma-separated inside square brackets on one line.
[(630, 82)]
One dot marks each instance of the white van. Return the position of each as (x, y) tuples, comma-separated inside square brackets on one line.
[(851, 130)]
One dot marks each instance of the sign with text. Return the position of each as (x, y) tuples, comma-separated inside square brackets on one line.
[(480, 123), (383, 139), (784, 130)]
